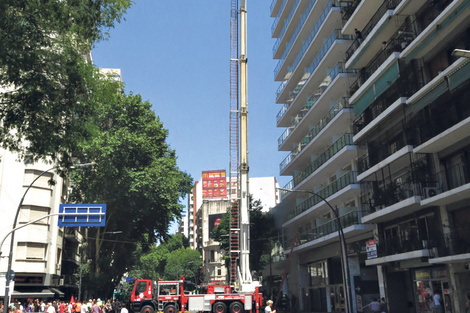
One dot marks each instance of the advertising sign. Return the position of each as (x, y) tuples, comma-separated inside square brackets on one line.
[(214, 221), (214, 184), (371, 248)]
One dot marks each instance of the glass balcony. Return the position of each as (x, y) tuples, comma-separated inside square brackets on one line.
[(454, 176), (340, 143), (291, 41), (286, 24), (276, 20), (453, 244), (335, 35), (351, 218), (324, 121), (343, 181), (335, 71), (311, 36)]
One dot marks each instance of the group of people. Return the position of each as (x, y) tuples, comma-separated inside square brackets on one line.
[(57, 306)]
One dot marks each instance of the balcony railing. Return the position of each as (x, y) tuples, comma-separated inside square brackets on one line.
[(391, 193), (351, 218), (276, 20), (343, 181), (335, 71), (322, 123), (413, 241), (452, 244), (283, 31), (454, 176), (387, 5), (309, 39), (340, 143), (335, 35)]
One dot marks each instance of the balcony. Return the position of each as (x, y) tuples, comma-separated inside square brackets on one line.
[(335, 186), (398, 198), (452, 247), (453, 185), (328, 233), (336, 109), (278, 15), (337, 76), (290, 89), (285, 31), (396, 249), (324, 157), (304, 41)]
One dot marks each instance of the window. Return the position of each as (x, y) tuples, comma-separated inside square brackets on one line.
[(31, 213), (31, 251), (42, 182)]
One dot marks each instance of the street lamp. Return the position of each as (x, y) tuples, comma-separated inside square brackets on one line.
[(461, 53), (344, 256), (8, 273)]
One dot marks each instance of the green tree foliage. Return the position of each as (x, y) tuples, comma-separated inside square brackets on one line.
[(136, 175), (45, 80), (169, 260), (262, 232)]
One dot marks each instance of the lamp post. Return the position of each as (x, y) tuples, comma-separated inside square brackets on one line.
[(8, 273), (344, 256)]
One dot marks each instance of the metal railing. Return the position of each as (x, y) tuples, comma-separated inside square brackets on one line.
[(335, 35), (322, 123), (276, 20), (340, 143), (343, 181), (348, 219), (283, 31)]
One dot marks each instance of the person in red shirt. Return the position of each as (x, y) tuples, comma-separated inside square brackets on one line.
[(62, 307)]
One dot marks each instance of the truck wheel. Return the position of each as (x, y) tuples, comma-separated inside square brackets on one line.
[(170, 309), (147, 309), (235, 307), (219, 307)]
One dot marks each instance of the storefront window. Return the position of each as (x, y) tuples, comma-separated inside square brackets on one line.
[(427, 283)]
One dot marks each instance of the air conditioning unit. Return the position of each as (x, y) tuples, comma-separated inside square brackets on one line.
[(57, 266), (431, 191), (61, 282)]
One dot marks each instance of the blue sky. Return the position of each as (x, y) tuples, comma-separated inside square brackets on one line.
[(176, 55)]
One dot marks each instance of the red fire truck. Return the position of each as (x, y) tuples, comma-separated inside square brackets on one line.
[(170, 297)]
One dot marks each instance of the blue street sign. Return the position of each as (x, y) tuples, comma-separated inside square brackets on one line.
[(85, 215), (129, 279)]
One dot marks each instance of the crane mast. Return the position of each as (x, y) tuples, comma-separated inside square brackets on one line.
[(240, 273)]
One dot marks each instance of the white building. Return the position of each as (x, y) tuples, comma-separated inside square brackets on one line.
[(37, 248)]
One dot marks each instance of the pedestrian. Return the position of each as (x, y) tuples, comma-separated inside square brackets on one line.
[(358, 35), (123, 309), (268, 308), (437, 301), (42, 307), (95, 308), (383, 305), (374, 306), (51, 308), (62, 307)]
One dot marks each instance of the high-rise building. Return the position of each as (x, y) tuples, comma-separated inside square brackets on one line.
[(376, 117)]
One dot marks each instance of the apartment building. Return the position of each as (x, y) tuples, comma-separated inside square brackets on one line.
[(384, 138), (38, 249)]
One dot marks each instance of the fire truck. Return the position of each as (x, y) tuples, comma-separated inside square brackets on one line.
[(170, 297)]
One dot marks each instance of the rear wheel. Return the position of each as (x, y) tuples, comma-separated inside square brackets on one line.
[(170, 309), (147, 309), (219, 307), (235, 307)]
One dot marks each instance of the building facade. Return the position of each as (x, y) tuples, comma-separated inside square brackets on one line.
[(202, 212), (38, 249), (377, 119)]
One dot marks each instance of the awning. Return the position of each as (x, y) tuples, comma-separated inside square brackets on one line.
[(44, 293), (57, 292)]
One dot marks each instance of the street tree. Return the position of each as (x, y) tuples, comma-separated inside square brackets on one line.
[(45, 80), (136, 175)]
